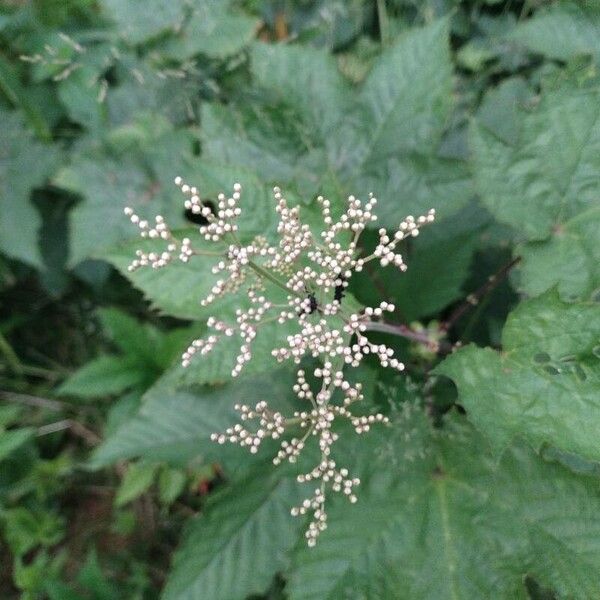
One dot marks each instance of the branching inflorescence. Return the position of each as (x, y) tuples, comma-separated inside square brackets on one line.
[(300, 281)]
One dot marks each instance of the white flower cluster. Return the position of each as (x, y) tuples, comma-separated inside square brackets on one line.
[(311, 273)]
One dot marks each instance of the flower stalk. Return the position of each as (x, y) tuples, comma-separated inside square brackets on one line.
[(314, 270)]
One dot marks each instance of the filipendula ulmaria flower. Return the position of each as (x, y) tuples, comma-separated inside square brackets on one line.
[(313, 269)]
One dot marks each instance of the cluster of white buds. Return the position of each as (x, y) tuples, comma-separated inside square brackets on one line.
[(270, 425), (313, 272), (386, 249), (160, 230)]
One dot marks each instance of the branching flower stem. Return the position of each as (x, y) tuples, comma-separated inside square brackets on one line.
[(314, 271), (408, 333)]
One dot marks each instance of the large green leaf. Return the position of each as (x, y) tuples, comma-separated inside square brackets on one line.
[(175, 422), (570, 258), (212, 30), (473, 526), (431, 282), (240, 541), (25, 164), (562, 31), (130, 175), (430, 501), (406, 99), (544, 386), (545, 184), (317, 77), (320, 137)]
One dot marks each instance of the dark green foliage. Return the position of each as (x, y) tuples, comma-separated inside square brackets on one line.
[(486, 482)]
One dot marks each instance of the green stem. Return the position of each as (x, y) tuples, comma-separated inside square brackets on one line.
[(264, 273)]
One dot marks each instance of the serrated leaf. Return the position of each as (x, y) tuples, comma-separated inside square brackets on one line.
[(128, 176), (239, 542), (501, 108), (176, 290), (216, 366), (25, 164), (152, 349), (103, 376), (461, 518), (569, 259), (407, 97), (316, 75), (131, 336), (544, 184), (545, 386), (322, 138), (431, 282), (425, 182), (175, 423), (108, 185)]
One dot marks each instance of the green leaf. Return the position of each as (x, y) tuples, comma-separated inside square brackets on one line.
[(569, 259), (25, 529), (129, 334), (415, 182), (545, 185), (137, 480), (80, 93), (171, 483), (431, 282), (320, 137), (216, 366), (108, 186), (562, 31), (239, 542), (12, 439), (212, 30), (150, 348), (21, 99), (25, 164), (140, 21), (103, 376), (128, 176), (500, 109), (92, 579), (473, 526), (175, 423), (407, 97), (545, 386), (316, 75)]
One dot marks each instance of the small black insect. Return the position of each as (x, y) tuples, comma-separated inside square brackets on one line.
[(313, 304), (339, 292)]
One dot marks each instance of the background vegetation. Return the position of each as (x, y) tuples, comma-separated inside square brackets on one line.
[(487, 485)]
